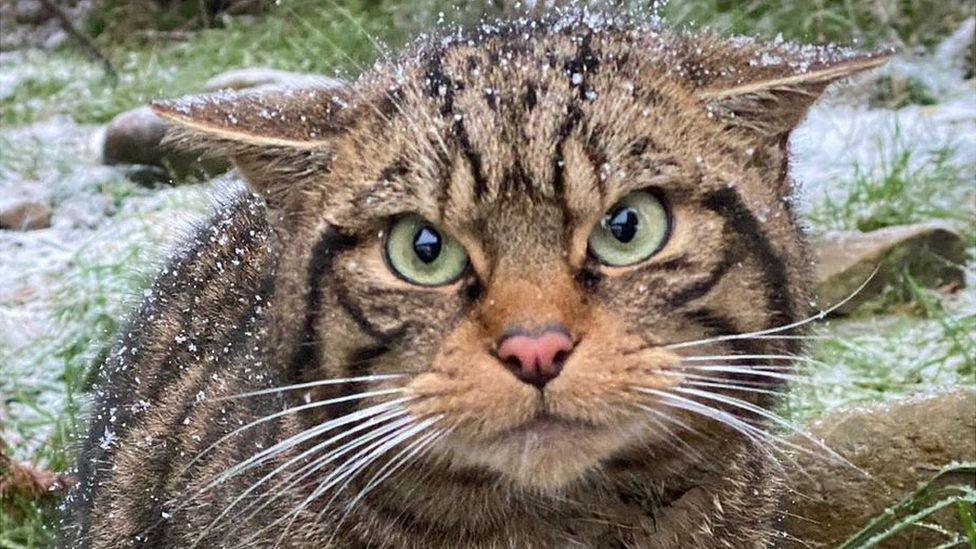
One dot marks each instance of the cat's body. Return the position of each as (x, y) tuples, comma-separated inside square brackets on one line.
[(515, 141)]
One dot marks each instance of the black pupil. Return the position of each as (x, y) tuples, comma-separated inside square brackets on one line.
[(623, 224), (427, 244)]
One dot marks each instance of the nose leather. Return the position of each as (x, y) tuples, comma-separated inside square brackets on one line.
[(536, 359)]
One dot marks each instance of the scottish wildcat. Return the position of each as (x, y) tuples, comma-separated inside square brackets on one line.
[(522, 287)]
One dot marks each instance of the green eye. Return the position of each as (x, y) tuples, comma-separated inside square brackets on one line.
[(423, 254), (631, 231)]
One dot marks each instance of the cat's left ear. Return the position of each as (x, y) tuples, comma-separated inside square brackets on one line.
[(276, 137), (767, 93)]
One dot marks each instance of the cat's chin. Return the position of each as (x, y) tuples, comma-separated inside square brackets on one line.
[(546, 454)]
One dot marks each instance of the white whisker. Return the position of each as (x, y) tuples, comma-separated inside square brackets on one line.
[(819, 316), (423, 425), (731, 387), (408, 453), (318, 463), (371, 422), (287, 411), (299, 438), (743, 383), (763, 439), (710, 358), (800, 337), (751, 369), (762, 412), (761, 372), (310, 384), (660, 418), (753, 433), (349, 468), (383, 433)]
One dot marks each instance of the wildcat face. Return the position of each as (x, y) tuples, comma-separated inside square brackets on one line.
[(535, 231)]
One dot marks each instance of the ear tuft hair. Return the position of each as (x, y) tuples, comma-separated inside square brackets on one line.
[(271, 134), (766, 90), (300, 118)]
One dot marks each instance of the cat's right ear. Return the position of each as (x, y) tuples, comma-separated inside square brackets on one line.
[(276, 136)]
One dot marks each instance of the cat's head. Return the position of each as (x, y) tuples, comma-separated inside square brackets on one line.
[(543, 232)]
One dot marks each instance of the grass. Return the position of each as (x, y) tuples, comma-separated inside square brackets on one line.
[(49, 415), (85, 291), (874, 359), (902, 189), (930, 346), (340, 36), (320, 37), (107, 276), (929, 499), (869, 23)]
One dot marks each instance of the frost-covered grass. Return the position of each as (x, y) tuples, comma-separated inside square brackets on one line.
[(868, 22), (304, 35), (872, 359), (65, 291), (898, 192)]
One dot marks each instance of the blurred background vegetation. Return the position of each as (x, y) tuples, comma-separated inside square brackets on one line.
[(168, 47), (54, 94)]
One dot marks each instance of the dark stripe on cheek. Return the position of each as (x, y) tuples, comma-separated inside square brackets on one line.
[(717, 324), (701, 288), (306, 354), (727, 203), (361, 318), (360, 364)]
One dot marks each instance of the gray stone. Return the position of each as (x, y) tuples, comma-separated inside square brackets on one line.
[(136, 137), (254, 77), (31, 12), (899, 446), (24, 215), (932, 253)]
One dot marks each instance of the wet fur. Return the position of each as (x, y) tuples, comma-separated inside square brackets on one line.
[(495, 140)]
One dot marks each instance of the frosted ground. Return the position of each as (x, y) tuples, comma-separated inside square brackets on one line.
[(65, 290)]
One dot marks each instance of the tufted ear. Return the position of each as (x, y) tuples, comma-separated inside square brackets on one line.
[(765, 92), (275, 136)]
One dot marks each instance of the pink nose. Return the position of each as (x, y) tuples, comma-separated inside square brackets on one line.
[(536, 359)]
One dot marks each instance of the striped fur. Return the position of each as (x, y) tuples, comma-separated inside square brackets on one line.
[(516, 139)]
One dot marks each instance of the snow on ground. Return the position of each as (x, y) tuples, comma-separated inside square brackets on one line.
[(841, 134), (106, 234)]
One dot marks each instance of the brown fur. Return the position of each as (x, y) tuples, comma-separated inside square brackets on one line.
[(516, 142)]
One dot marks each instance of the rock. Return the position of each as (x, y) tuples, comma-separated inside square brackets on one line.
[(900, 445), (31, 12), (136, 137), (932, 253), (146, 175), (24, 215), (258, 77)]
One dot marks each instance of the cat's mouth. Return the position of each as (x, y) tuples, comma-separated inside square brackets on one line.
[(547, 451), (545, 426)]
